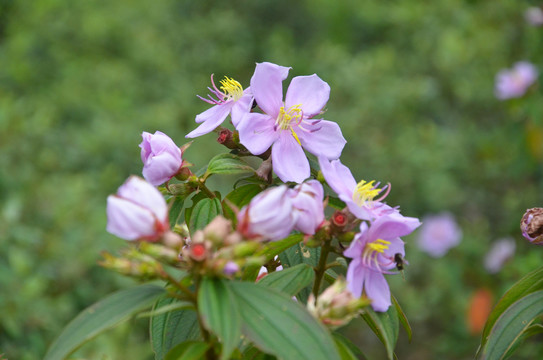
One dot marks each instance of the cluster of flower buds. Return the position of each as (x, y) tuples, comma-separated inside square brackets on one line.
[(219, 250), (336, 306)]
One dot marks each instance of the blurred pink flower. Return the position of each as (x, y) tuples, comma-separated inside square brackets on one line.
[(288, 127), (534, 16), (515, 82), (161, 158), (438, 234), (373, 251), (137, 212), (230, 99), (359, 198), (501, 251), (307, 202)]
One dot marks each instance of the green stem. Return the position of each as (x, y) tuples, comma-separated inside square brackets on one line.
[(321, 267), (204, 188)]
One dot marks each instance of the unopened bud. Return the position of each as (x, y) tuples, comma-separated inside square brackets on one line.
[(198, 251), (339, 219), (531, 225), (230, 268), (245, 248), (182, 189), (336, 306), (218, 229), (184, 172), (226, 138), (173, 240), (142, 270), (160, 252)]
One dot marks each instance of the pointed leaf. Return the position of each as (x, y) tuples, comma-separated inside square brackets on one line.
[(239, 197), (219, 313), (300, 254), (280, 326), (176, 209), (403, 318), (271, 250), (289, 281), (228, 164), (385, 325), (203, 212), (509, 327), (101, 316), (171, 328), (190, 350), (347, 350), (528, 284)]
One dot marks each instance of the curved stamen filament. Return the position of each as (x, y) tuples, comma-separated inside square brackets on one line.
[(372, 251), (230, 90), (289, 117)]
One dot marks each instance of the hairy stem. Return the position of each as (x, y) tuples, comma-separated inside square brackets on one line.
[(321, 267)]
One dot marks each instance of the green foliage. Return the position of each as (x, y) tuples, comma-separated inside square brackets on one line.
[(101, 316), (411, 88)]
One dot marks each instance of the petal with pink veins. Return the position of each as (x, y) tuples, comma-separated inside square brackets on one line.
[(311, 92)]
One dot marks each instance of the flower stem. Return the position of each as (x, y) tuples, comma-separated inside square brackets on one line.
[(321, 267), (205, 189)]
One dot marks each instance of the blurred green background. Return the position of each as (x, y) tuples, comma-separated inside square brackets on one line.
[(412, 89)]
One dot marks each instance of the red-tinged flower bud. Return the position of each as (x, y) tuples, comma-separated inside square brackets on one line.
[(532, 225), (339, 219), (198, 251), (226, 138), (161, 157)]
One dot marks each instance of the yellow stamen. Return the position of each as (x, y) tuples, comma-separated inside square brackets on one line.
[(286, 118), (379, 245), (231, 88), (295, 136), (364, 192)]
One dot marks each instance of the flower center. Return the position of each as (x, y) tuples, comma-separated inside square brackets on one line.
[(365, 192), (372, 250), (231, 89), (289, 118)]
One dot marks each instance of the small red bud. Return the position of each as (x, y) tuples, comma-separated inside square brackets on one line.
[(198, 251), (339, 219)]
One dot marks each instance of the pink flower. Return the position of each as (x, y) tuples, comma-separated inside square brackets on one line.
[(501, 251), (374, 251), (534, 16), (359, 198), (161, 158), (288, 127), (515, 82), (438, 234), (137, 212), (230, 99), (307, 202), (269, 215)]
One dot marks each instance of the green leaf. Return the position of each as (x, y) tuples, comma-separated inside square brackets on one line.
[(239, 197), (385, 325), (347, 350), (167, 308), (176, 209), (528, 284), (101, 316), (532, 330), (280, 326), (228, 164), (289, 281), (190, 350), (171, 328), (271, 250), (203, 212), (403, 318), (510, 326), (336, 203), (219, 313), (300, 254)]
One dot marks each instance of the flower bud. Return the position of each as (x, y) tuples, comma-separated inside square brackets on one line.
[(307, 201), (140, 269), (160, 252), (336, 306), (198, 251), (230, 268), (218, 229), (339, 219), (137, 212), (268, 215), (161, 157), (531, 225)]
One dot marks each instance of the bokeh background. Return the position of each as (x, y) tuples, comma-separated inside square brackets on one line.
[(412, 89)]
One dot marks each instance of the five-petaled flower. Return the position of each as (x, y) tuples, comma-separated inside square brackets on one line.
[(374, 251), (359, 198), (229, 99), (289, 127), (137, 212)]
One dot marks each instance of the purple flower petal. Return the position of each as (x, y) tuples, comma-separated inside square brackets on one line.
[(391, 226), (288, 159), (241, 108), (354, 281), (256, 132), (338, 177), (210, 119), (376, 288), (267, 87), (311, 92), (307, 200), (161, 168), (128, 220), (144, 194), (327, 141)]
